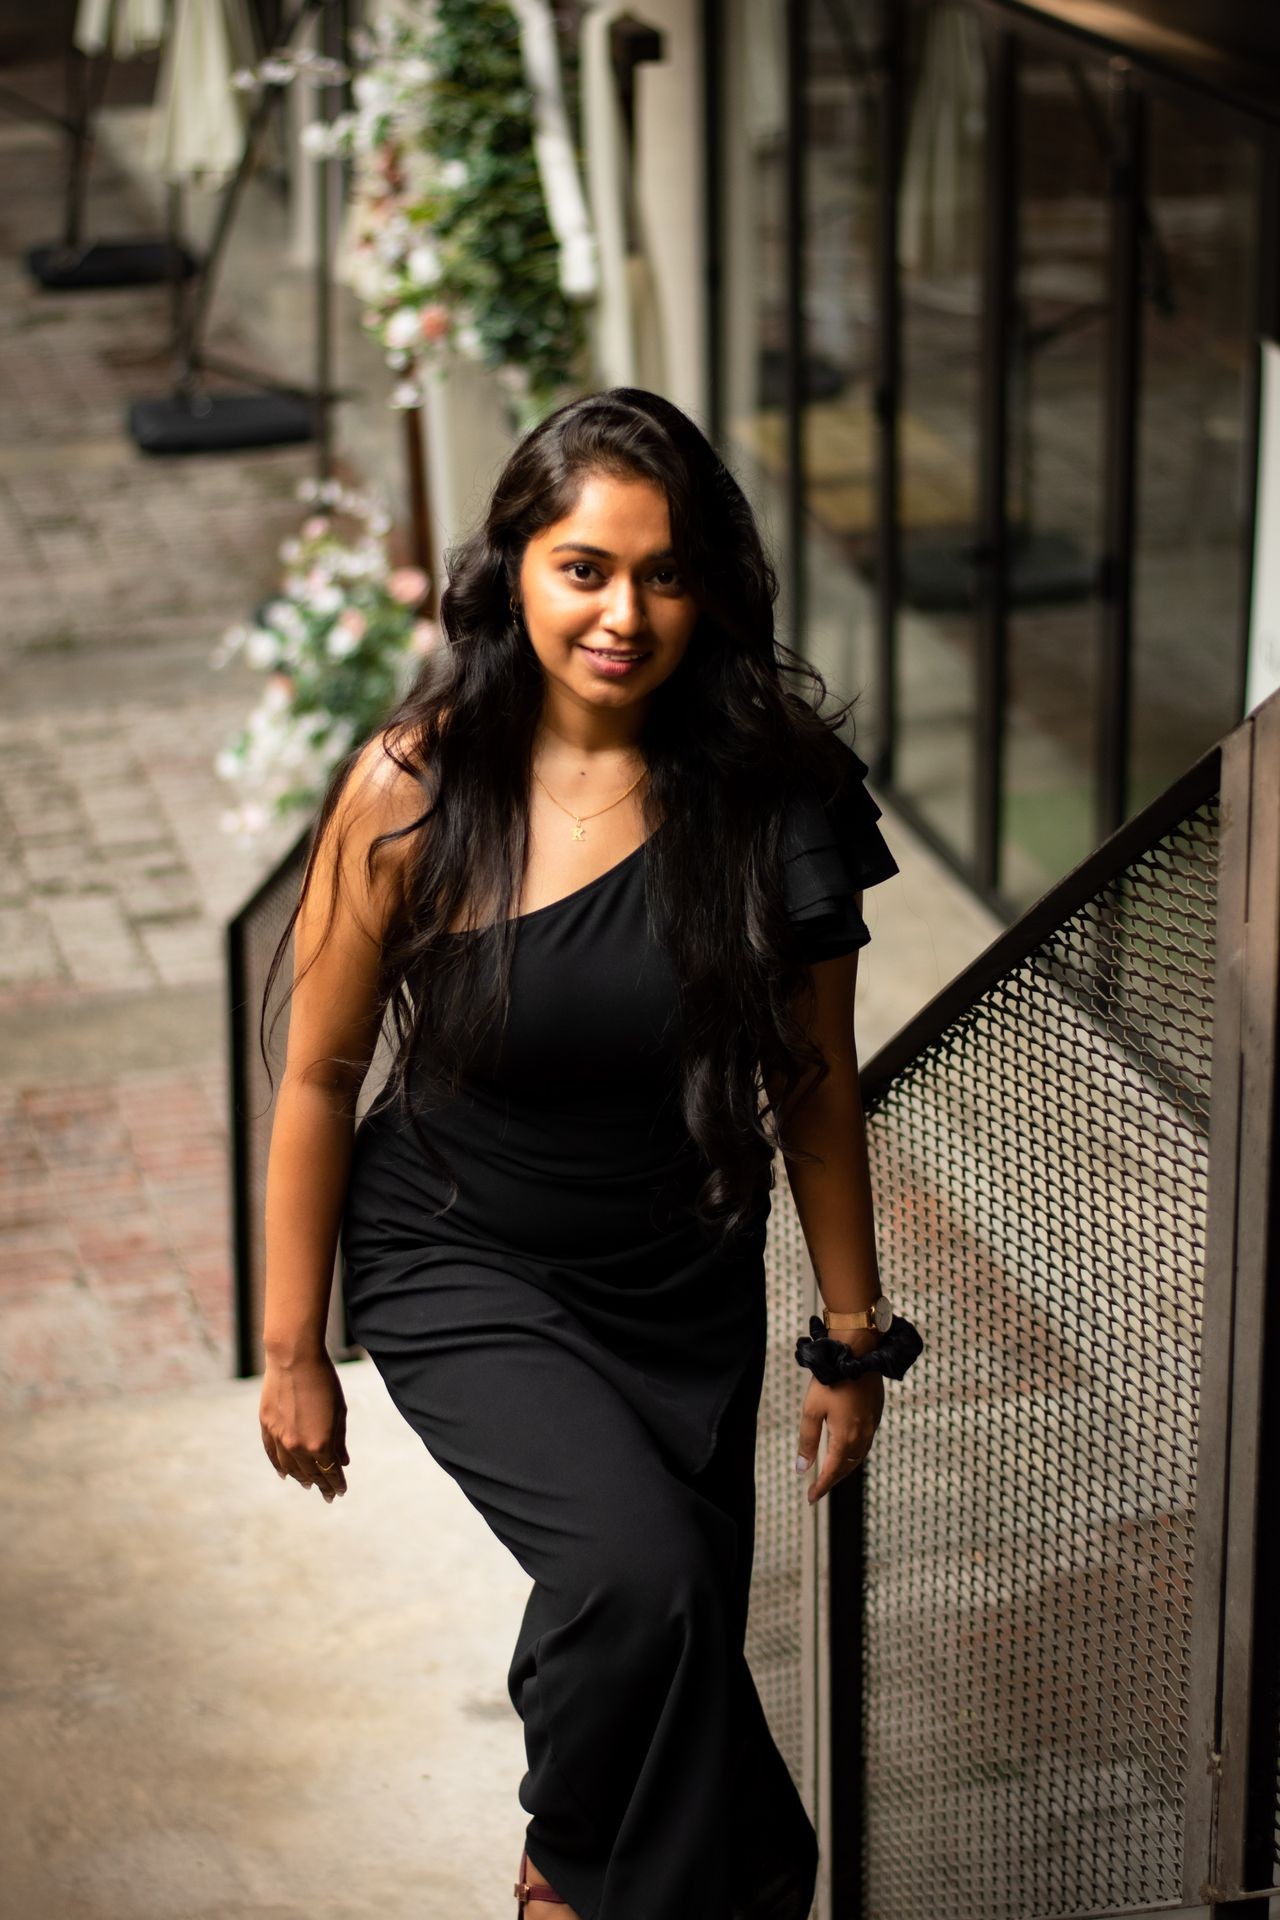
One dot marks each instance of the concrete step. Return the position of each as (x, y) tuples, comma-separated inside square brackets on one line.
[(226, 1698)]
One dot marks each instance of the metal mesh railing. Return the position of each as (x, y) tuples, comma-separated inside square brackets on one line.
[(1041, 1179)]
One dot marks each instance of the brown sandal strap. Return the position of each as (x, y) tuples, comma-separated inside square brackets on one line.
[(525, 1892)]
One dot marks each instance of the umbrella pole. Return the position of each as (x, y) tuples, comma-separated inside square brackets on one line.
[(197, 319), (88, 77), (332, 46), (177, 278)]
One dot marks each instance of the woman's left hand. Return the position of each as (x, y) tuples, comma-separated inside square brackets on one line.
[(852, 1412)]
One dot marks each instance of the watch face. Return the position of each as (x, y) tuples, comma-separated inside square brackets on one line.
[(884, 1313)]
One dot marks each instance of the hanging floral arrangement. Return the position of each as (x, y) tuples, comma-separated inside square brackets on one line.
[(339, 645), (450, 247)]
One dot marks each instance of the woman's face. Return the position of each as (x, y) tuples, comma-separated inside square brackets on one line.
[(606, 611)]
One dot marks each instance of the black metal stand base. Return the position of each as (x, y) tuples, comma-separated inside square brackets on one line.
[(220, 423), (109, 263), (940, 574)]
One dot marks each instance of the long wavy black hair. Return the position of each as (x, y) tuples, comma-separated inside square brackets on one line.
[(727, 741)]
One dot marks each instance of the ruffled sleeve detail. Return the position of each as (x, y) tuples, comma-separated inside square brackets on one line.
[(831, 850)]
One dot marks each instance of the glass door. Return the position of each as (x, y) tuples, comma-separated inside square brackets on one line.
[(1056, 384), (940, 256)]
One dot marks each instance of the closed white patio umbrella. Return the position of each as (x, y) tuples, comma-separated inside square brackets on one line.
[(122, 28), (198, 127)]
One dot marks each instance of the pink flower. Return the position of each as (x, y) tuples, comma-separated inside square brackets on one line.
[(282, 682), (354, 621), (424, 636), (407, 585), (435, 322), (316, 527)]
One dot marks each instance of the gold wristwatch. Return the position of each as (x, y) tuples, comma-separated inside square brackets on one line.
[(878, 1315)]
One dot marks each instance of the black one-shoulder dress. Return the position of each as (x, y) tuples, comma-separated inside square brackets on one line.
[(587, 1364)]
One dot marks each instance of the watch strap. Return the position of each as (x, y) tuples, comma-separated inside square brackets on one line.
[(847, 1322)]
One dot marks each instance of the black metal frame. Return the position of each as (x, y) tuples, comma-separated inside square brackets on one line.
[(796, 350), (1143, 69)]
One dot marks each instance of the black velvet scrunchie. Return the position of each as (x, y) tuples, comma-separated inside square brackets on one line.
[(832, 1361)]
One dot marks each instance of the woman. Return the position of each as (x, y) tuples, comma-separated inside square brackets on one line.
[(602, 868)]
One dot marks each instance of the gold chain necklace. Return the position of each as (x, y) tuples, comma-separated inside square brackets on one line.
[(579, 828)]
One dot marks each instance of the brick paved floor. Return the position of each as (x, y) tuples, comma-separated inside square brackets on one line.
[(119, 575)]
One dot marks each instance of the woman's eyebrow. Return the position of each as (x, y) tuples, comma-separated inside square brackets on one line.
[(603, 553)]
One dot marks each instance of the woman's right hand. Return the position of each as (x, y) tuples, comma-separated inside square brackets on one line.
[(303, 1417)]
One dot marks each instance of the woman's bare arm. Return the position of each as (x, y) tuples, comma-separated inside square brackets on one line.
[(833, 1199), (334, 1020), (834, 1205)]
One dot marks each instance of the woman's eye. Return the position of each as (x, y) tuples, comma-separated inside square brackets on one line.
[(572, 569)]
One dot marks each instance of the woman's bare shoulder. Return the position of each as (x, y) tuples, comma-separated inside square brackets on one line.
[(384, 785), (382, 794)]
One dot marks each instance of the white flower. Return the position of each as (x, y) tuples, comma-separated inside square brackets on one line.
[(327, 599), (392, 243), (423, 267), (373, 92), (454, 173), (285, 618), (406, 393), (341, 641), (402, 329), (276, 73), (467, 340), (275, 699), (262, 648), (513, 378), (316, 140), (245, 820), (293, 751), (227, 764), (320, 70)]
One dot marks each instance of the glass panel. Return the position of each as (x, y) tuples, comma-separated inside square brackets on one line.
[(840, 437), (1057, 392), (753, 134), (1197, 344), (940, 250)]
